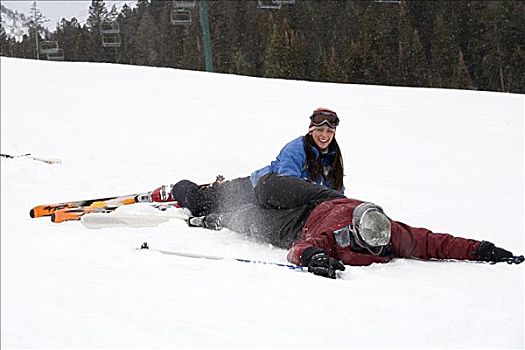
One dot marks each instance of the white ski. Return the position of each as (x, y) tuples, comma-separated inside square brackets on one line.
[(103, 220), (28, 155), (137, 215)]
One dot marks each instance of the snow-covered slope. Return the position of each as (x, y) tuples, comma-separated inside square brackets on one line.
[(448, 160)]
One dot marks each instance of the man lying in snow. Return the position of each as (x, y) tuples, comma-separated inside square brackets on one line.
[(324, 229)]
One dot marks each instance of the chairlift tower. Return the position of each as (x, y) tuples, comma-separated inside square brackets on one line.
[(181, 14), (206, 39)]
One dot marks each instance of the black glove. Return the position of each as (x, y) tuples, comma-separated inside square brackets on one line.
[(321, 264), (487, 251)]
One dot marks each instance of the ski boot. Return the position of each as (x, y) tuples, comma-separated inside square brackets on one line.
[(163, 194), (211, 222)]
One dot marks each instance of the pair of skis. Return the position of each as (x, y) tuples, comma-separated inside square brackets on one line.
[(74, 210)]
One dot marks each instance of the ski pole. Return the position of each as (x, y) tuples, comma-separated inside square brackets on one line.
[(211, 257), (28, 155)]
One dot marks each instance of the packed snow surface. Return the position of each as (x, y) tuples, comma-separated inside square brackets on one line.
[(448, 160)]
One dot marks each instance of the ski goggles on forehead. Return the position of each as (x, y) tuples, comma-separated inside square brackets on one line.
[(325, 117)]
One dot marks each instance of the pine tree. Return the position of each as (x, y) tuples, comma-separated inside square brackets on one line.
[(386, 43), (253, 29), (97, 15), (354, 63), (405, 32), (241, 63), (443, 53), (36, 26), (514, 69), (82, 45), (222, 16), (165, 36), (274, 54), (112, 14), (66, 34), (331, 68), (369, 64), (25, 48), (293, 65), (419, 72), (422, 15), (332, 62), (497, 44), (5, 44), (514, 72), (192, 51), (146, 41), (128, 26), (461, 78)]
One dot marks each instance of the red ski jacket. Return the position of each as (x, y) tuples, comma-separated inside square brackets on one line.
[(406, 241)]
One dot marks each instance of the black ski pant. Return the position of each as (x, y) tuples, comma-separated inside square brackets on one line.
[(276, 191), (223, 197), (284, 204)]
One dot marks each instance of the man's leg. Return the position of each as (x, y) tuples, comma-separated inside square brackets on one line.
[(277, 227), (200, 201), (235, 193), (275, 191), (223, 197)]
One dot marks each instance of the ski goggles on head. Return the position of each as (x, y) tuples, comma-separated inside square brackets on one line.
[(324, 116)]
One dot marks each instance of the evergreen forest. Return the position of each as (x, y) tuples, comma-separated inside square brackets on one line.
[(459, 44)]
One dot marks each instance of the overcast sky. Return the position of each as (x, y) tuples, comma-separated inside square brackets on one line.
[(54, 11)]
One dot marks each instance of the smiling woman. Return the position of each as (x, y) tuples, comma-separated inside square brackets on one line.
[(315, 158)]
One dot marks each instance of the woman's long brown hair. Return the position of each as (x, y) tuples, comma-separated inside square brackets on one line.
[(315, 168)]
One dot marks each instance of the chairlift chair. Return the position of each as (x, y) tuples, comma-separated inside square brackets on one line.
[(48, 47), (184, 4), (268, 5), (112, 40), (109, 27), (57, 55), (181, 17), (284, 2)]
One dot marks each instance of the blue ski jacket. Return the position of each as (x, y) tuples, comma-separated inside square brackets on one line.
[(291, 161)]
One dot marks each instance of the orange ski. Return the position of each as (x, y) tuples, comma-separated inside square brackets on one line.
[(75, 214), (49, 209)]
